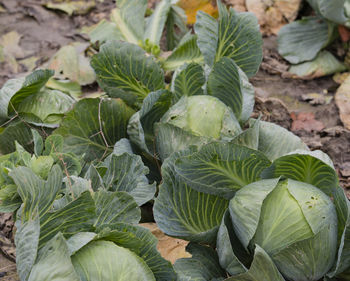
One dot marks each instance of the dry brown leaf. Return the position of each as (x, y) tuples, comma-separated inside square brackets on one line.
[(342, 100), (192, 6), (10, 49), (273, 14), (170, 248), (306, 121)]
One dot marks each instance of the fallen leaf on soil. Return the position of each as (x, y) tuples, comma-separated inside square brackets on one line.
[(273, 14), (316, 98), (340, 77), (11, 50), (170, 248), (72, 7), (306, 121), (71, 63), (342, 100), (324, 64), (192, 6), (344, 33)]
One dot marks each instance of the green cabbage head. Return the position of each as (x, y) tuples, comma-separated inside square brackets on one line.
[(294, 222)]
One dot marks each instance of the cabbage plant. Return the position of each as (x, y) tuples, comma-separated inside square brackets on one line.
[(271, 213), (302, 42)]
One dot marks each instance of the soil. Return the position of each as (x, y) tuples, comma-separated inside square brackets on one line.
[(304, 106)]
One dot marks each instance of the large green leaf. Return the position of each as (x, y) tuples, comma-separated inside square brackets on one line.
[(94, 126), (302, 40), (245, 221), (112, 207), (27, 241), (16, 90), (129, 18), (239, 38), (183, 212), (176, 26), (250, 136), (126, 172), (333, 11), (141, 124), (156, 22), (147, 248), (232, 254), (262, 269), (180, 139), (48, 105), (16, 131), (206, 28), (202, 266), (305, 168), (343, 211), (54, 263), (188, 80), (76, 216), (96, 261), (221, 168), (37, 195), (275, 141), (325, 63), (123, 70), (186, 52), (224, 82), (235, 35)]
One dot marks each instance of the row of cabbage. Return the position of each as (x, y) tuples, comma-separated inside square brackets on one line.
[(250, 197)]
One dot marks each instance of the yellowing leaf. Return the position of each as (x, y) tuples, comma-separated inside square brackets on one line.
[(72, 7), (170, 248), (192, 6)]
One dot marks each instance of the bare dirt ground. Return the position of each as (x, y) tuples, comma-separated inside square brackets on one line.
[(305, 107)]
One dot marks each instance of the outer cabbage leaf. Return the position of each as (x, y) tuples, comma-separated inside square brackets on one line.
[(183, 212), (323, 64), (305, 168), (156, 22), (54, 263), (262, 269), (16, 90), (188, 80), (187, 51), (275, 141), (141, 124), (176, 26), (27, 241), (124, 71), (94, 126), (202, 266), (221, 168), (141, 241), (96, 261), (47, 105), (129, 18), (54, 253), (126, 172), (302, 40), (112, 207)]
